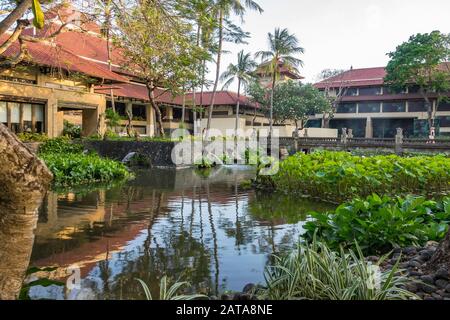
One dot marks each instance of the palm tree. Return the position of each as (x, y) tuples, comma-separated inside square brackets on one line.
[(224, 9), (283, 47), (242, 72)]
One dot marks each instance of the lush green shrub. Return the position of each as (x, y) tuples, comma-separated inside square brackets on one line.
[(380, 224), (339, 176), (71, 166), (314, 271), (73, 169), (32, 137), (60, 145), (71, 130)]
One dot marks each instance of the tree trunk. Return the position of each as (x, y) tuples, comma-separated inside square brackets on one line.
[(274, 79), (151, 96), (15, 15), (216, 82), (24, 180), (237, 108)]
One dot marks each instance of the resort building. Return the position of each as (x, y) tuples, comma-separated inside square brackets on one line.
[(68, 78), (372, 110)]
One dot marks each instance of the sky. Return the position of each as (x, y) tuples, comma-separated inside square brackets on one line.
[(338, 34)]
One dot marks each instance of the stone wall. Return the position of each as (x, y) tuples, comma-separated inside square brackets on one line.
[(157, 153)]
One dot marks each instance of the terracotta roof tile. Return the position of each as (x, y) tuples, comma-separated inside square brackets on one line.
[(56, 56)]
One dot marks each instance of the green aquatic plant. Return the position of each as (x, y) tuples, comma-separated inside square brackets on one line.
[(381, 224), (340, 176), (71, 166), (316, 272), (169, 291)]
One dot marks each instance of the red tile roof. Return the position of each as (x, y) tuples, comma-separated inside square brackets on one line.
[(355, 78), (46, 54), (139, 92)]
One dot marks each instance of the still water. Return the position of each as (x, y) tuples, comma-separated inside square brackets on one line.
[(205, 230)]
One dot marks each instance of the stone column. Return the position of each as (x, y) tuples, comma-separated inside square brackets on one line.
[(399, 141), (369, 128)]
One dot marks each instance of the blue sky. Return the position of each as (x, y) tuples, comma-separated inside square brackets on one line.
[(342, 33)]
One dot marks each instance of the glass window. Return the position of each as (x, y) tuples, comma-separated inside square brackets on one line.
[(346, 108), (416, 106), (370, 91), (390, 90), (14, 108), (351, 92), (27, 117), (393, 106), (444, 121), (369, 107), (39, 116), (3, 113), (444, 106), (139, 112)]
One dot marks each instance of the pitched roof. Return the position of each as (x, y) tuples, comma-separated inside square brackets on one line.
[(55, 56), (139, 92), (355, 78)]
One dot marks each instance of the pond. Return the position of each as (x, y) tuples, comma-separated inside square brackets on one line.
[(205, 230)]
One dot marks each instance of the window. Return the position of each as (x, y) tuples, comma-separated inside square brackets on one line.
[(39, 118), (393, 106), (22, 117), (220, 113), (139, 112), (444, 106), (27, 117), (346, 108), (370, 91), (369, 107), (351, 92), (416, 106), (14, 108), (120, 107), (390, 90), (177, 113), (444, 121)]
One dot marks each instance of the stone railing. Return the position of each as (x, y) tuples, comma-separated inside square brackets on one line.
[(399, 144)]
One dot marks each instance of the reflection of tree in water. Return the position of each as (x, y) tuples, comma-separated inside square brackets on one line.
[(174, 253)]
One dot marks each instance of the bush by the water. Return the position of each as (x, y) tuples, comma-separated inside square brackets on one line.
[(32, 137), (381, 224), (315, 272), (340, 176), (71, 166)]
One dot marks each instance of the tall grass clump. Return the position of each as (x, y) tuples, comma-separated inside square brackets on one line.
[(169, 291), (71, 166), (315, 272), (340, 176)]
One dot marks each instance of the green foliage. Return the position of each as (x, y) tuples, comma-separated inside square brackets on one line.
[(32, 137), (70, 166), (170, 292), (71, 130), (112, 118), (60, 145), (295, 101), (315, 272), (418, 61), (340, 176), (380, 224)]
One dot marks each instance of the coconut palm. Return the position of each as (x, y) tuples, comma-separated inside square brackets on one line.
[(225, 8), (242, 72), (283, 47)]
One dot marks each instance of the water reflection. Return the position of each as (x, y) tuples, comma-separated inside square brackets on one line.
[(205, 231)]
